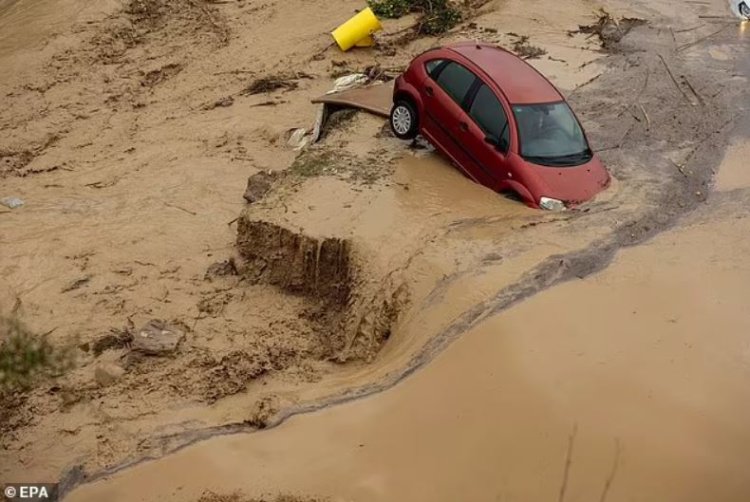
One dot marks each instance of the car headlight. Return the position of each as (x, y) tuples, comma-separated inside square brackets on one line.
[(551, 204)]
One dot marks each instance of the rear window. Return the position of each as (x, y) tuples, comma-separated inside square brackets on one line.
[(455, 80), (433, 65)]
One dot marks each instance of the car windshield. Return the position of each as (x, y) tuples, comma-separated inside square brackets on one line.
[(550, 135)]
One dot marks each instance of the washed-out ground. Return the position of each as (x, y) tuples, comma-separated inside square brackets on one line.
[(130, 130)]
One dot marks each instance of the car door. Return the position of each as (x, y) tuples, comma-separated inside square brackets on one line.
[(487, 134), (445, 92)]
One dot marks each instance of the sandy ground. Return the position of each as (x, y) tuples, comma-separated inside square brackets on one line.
[(130, 138)]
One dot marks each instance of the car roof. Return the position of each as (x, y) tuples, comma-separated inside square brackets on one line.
[(520, 82)]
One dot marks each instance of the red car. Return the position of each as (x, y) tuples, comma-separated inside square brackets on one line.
[(501, 122)]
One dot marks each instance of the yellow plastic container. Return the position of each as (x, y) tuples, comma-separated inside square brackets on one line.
[(357, 30)]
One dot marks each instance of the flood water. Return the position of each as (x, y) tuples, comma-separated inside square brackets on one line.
[(631, 385), (25, 25)]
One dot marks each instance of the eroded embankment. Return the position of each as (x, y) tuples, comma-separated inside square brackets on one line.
[(326, 272)]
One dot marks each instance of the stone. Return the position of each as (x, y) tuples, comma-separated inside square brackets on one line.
[(107, 374), (157, 338)]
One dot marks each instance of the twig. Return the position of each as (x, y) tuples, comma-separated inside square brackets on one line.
[(645, 84), (648, 120), (322, 51), (180, 208), (47, 333), (680, 167), (568, 463), (608, 148), (592, 79), (233, 221), (676, 84), (233, 72), (690, 29), (692, 89), (612, 473), (690, 44)]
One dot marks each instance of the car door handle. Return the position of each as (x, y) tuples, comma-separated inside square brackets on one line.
[(463, 126), (428, 90)]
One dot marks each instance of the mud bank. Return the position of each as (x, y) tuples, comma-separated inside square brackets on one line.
[(356, 322)]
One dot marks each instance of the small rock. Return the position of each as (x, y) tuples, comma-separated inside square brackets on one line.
[(12, 202), (76, 284), (258, 185), (224, 102), (220, 103), (157, 338), (220, 269), (107, 374)]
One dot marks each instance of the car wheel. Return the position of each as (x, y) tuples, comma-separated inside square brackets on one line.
[(404, 120)]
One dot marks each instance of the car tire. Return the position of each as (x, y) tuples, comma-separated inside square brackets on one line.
[(404, 120)]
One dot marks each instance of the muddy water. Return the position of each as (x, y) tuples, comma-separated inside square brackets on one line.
[(16, 15), (629, 386), (735, 172), (27, 26)]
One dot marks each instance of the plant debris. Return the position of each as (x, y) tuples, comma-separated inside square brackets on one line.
[(271, 83), (525, 50), (115, 339), (436, 16), (24, 356), (609, 30), (160, 75)]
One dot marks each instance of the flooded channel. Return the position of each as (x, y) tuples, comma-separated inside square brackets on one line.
[(629, 385)]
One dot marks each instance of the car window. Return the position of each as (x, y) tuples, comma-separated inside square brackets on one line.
[(456, 81), (488, 113), (433, 65)]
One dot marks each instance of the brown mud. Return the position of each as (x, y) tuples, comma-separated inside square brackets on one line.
[(434, 255), (632, 383)]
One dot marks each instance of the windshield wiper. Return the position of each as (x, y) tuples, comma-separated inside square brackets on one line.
[(562, 160)]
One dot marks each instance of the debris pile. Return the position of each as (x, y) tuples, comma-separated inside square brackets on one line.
[(608, 29)]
